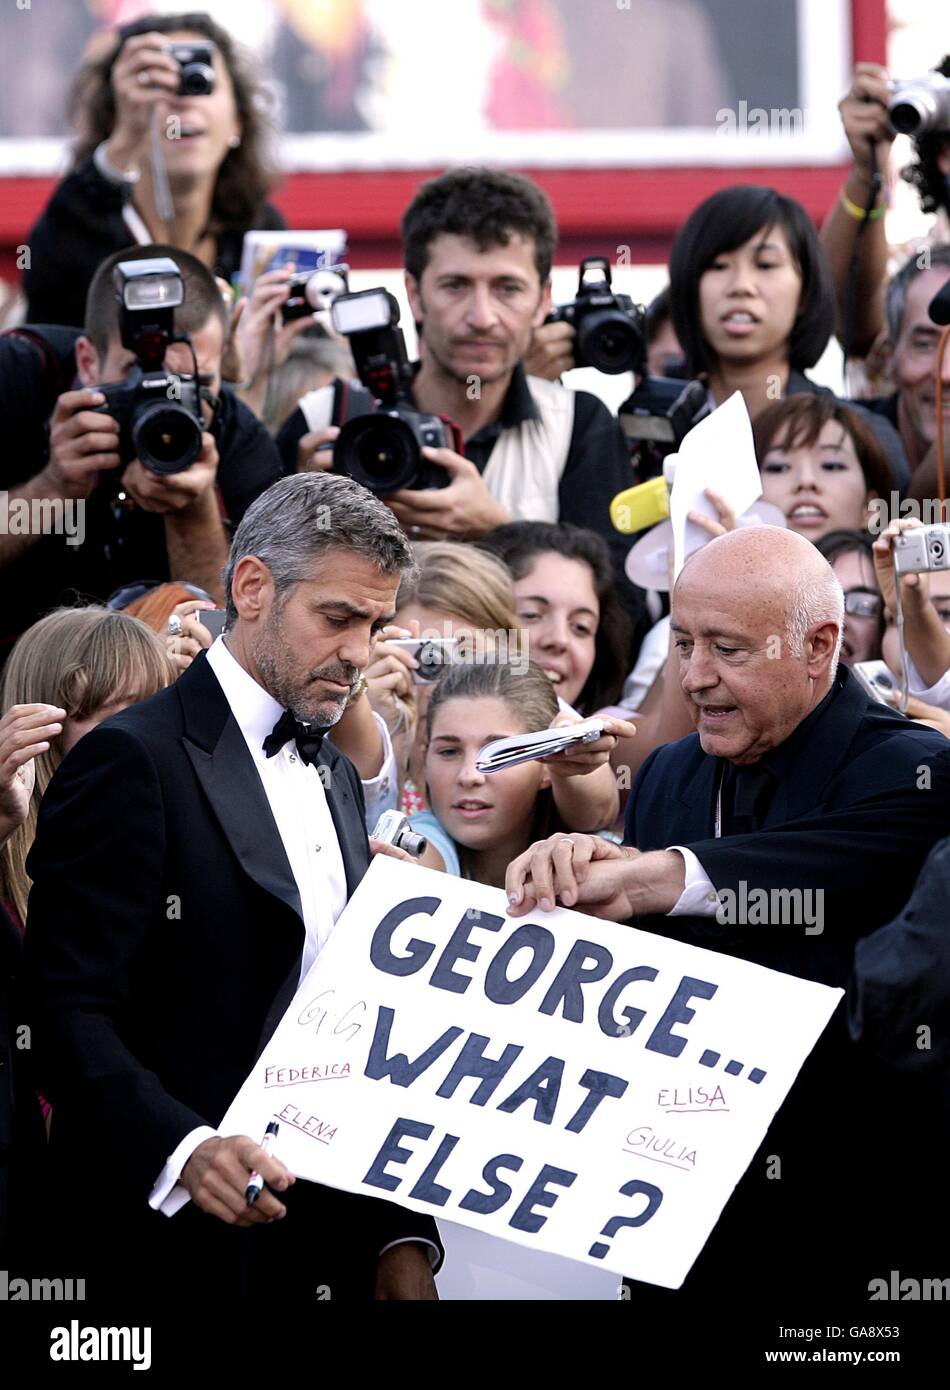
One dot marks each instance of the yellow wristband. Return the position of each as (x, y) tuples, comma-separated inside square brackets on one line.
[(858, 213)]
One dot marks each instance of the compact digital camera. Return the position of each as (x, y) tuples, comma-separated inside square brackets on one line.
[(432, 654), (394, 829), (159, 413), (382, 450), (313, 291), (920, 106), (196, 62), (923, 548)]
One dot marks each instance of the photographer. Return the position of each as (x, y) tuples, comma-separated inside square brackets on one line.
[(478, 248), (92, 523), (912, 339), (925, 599), (211, 143), (864, 117)]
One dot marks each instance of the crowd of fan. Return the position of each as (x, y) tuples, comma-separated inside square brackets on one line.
[(518, 550)]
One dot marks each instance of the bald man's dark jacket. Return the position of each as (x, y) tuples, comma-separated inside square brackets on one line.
[(860, 797)]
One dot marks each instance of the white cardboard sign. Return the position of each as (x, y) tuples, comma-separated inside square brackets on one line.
[(575, 1086)]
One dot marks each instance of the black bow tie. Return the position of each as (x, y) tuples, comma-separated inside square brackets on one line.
[(308, 737)]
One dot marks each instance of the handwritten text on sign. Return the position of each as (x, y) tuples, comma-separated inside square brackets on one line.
[(573, 1085)]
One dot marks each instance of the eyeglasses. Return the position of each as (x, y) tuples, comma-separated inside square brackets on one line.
[(137, 587), (861, 604)]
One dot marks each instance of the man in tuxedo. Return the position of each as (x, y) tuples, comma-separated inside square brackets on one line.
[(794, 779), (192, 856)]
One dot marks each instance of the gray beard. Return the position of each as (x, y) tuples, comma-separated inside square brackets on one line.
[(323, 713)]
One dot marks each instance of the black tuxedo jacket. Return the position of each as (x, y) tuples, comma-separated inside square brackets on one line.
[(22, 1134), (164, 944), (862, 797)]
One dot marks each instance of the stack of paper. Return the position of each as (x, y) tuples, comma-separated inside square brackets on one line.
[(523, 748)]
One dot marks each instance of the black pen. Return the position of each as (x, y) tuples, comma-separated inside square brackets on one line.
[(256, 1185)]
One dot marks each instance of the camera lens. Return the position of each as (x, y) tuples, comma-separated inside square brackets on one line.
[(166, 437), (197, 80), (610, 342), (378, 451)]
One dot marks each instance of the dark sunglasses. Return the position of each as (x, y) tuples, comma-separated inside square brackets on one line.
[(130, 592)]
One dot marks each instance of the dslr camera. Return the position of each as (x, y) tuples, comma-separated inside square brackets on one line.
[(159, 413), (922, 549), (611, 336), (196, 63), (608, 327), (920, 106), (311, 292), (382, 450)]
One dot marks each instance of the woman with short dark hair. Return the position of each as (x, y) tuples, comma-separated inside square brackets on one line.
[(751, 294), (821, 465)]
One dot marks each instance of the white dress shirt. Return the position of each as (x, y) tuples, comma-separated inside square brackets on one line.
[(298, 801), (938, 694)]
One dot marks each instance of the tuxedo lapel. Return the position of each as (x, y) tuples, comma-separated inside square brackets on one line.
[(347, 818), (224, 767)]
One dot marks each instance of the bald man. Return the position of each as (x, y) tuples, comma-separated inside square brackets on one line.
[(793, 780)]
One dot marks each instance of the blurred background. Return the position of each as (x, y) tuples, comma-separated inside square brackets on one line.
[(628, 112)]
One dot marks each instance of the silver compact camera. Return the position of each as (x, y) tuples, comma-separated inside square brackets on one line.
[(923, 548), (921, 106), (394, 829)]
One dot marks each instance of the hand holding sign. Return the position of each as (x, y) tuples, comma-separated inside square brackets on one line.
[(578, 1089), (594, 875), (582, 870)]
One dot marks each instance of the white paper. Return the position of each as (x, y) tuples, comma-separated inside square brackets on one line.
[(717, 453)]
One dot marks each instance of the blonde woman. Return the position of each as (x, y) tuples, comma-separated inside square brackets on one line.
[(73, 669)]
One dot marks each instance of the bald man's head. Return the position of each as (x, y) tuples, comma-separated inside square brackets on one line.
[(757, 617)]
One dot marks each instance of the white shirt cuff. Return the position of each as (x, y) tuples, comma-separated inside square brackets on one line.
[(431, 1250), (166, 1196), (381, 792), (938, 694), (108, 170), (699, 898)]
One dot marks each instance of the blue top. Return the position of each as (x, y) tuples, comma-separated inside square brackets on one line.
[(425, 823)]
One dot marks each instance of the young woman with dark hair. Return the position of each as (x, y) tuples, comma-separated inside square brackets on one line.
[(215, 150), (821, 464), (751, 295), (566, 601)]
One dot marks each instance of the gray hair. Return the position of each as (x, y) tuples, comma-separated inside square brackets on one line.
[(895, 299), (816, 600), (300, 518)]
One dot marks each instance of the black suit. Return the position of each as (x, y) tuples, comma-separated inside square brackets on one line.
[(164, 943), (851, 813), (901, 980), (22, 1135)]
